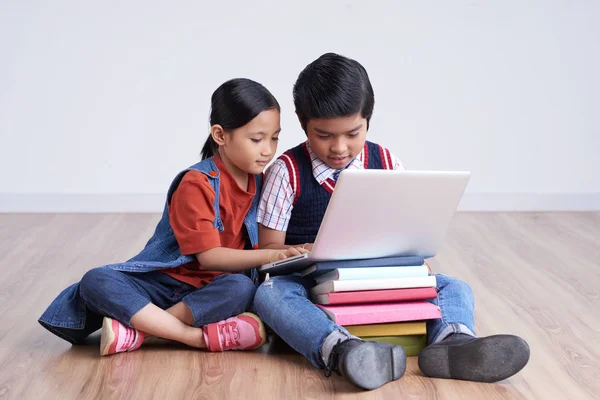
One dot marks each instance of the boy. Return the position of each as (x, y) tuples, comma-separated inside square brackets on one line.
[(334, 102)]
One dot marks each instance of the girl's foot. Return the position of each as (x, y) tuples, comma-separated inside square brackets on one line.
[(117, 338), (244, 332)]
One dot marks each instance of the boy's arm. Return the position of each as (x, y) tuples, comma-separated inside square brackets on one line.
[(270, 238), (275, 207), (273, 239)]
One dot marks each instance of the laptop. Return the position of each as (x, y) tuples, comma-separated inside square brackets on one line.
[(382, 213)]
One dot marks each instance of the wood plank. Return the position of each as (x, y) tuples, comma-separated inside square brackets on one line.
[(533, 274)]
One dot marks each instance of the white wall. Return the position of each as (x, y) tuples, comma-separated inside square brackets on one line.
[(112, 98)]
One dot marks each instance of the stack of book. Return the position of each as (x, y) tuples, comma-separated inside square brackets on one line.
[(382, 299)]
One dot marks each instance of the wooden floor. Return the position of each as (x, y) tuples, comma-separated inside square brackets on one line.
[(534, 274)]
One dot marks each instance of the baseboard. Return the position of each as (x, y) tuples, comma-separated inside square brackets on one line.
[(530, 202), (125, 203), (82, 203)]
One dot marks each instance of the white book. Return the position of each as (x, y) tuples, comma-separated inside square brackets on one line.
[(348, 274), (373, 284)]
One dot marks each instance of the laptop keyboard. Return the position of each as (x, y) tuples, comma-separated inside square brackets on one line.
[(285, 261)]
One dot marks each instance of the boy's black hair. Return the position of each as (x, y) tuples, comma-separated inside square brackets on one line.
[(333, 86)]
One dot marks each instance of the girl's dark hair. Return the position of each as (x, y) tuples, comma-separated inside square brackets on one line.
[(234, 104), (333, 86)]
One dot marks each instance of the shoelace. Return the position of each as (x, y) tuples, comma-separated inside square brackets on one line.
[(130, 339), (332, 364), (230, 334)]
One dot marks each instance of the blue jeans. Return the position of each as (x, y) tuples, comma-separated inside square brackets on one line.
[(282, 303), (457, 304), (120, 295)]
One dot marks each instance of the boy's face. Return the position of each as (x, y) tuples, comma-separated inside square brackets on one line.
[(337, 141)]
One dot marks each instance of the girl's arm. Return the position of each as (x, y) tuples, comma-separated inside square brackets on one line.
[(191, 214), (232, 260)]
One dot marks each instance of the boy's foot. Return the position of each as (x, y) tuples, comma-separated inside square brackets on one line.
[(244, 332), (367, 365), (487, 359), (117, 338)]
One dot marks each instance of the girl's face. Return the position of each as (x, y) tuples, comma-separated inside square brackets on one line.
[(251, 147)]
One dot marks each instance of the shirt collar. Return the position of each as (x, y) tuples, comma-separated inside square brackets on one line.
[(322, 171)]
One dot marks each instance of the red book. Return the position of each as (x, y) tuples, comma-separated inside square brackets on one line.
[(376, 296), (379, 313)]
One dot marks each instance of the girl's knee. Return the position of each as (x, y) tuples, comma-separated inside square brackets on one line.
[(242, 286), (241, 283), (94, 281)]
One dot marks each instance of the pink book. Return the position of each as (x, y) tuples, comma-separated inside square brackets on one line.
[(376, 296), (380, 313)]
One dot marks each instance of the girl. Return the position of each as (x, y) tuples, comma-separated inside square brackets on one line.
[(183, 285)]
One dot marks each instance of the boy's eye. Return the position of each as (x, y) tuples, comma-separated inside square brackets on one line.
[(275, 138), (323, 136), (353, 134)]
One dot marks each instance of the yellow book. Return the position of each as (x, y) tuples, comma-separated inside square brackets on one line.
[(412, 344), (395, 329)]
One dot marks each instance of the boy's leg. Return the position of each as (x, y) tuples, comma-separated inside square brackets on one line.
[(455, 352), (457, 304), (282, 303)]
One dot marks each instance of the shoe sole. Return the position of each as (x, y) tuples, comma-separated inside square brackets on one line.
[(489, 359), (107, 337), (261, 328), (372, 365)]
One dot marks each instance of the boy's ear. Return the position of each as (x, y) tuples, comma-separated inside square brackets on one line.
[(218, 134)]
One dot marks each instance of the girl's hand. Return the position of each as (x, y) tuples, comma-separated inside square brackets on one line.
[(296, 251), (290, 252)]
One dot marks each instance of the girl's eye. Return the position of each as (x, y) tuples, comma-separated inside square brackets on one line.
[(275, 138), (255, 140)]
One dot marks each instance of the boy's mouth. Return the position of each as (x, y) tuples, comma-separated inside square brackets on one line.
[(337, 160)]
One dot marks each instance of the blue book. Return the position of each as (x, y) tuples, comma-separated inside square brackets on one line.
[(322, 267)]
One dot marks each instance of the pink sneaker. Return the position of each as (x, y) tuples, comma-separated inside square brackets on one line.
[(244, 332), (117, 338)]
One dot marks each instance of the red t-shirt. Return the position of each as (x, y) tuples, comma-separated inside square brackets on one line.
[(191, 214)]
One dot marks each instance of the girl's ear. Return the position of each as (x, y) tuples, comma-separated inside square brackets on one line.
[(218, 134)]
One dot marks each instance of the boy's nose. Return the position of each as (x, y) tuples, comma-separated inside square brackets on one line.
[(338, 147)]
